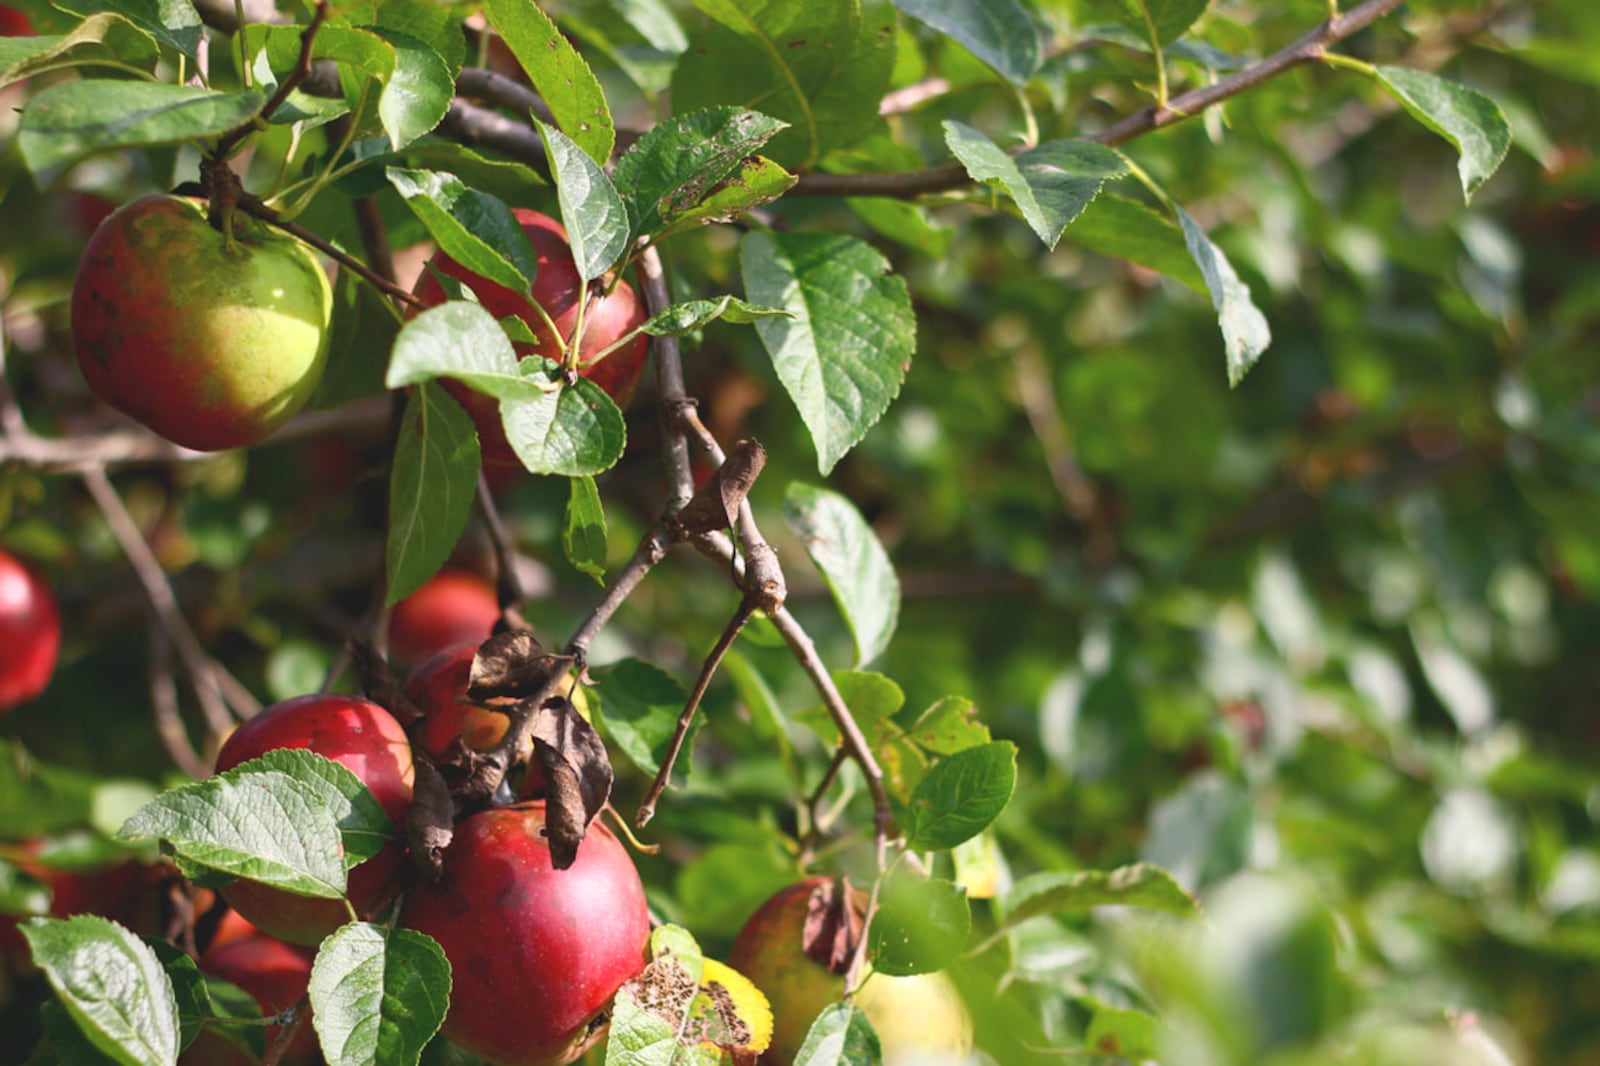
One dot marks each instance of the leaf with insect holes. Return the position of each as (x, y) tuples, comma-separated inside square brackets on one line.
[(686, 1010), (378, 995), (74, 119), (675, 320), (674, 166), (112, 984), (432, 483), (999, 32), (558, 72)]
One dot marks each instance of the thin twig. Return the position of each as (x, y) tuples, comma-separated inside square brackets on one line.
[(508, 585), (164, 703), (202, 676), (950, 176), (291, 81)]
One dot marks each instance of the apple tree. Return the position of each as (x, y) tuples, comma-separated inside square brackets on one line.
[(826, 532)]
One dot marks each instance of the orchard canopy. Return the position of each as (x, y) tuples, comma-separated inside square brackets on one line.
[(1115, 481)]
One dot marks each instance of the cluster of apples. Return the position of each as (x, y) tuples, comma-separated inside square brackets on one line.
[(214, 339)]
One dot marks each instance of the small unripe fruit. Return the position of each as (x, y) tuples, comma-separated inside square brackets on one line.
[(366, 740), (536, 953), (212, 341), (30, 633)]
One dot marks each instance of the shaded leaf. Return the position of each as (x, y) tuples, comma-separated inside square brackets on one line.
[(583, 533), (1141, 884), (1461, 115), (77, 118), (1050, 184), (841, 1036), (1162, 21), (920, 926), (639, 707), (432, 483), (558, 72), (1125, 229), (96, 37), (949, 726), (675, 320), (852, 561), (175, 23), (1245, 334), (475, 229), (999, 32)]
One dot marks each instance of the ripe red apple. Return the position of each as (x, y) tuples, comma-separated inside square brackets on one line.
[(30, 633), (555, 288), (14, 23), (439, 689), (275, 974), (451, 607), (368, 741), (212, 341), (920, 1019), (536, 953)]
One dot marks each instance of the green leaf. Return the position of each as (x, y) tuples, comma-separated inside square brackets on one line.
[(475, 229), (820, 67), (1126, 229), (949, 726), (655, 22), (591, 210), (20, 893), (558, 72), (575, 430), (1159, 21), (873, 700), (36, 798), (841, 1036), (417, 95), (432, 24), (460, 340), (639, 707), (960, 796), (1463, 116), (175, 23), (675, 320), (920, 926), (999, 32), (1245, 334), (364, 827), (583, 537), (844, 352), (1123, 1033), (378, 995), (191, 997), (99, 37), (909, 224), (1141, 884), (431, 487), (759, 181), (261, 825), (74, 119), (852, 561), (678, 163), (112, 984), (1050, 184)]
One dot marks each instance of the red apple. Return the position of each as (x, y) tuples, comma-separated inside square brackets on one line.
[(555, 288), (30, 633), (275, 974), (211, 340), (536, 953), (439, 689), (368, 741), (14, 23), (451, 607), (920, 1019)]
